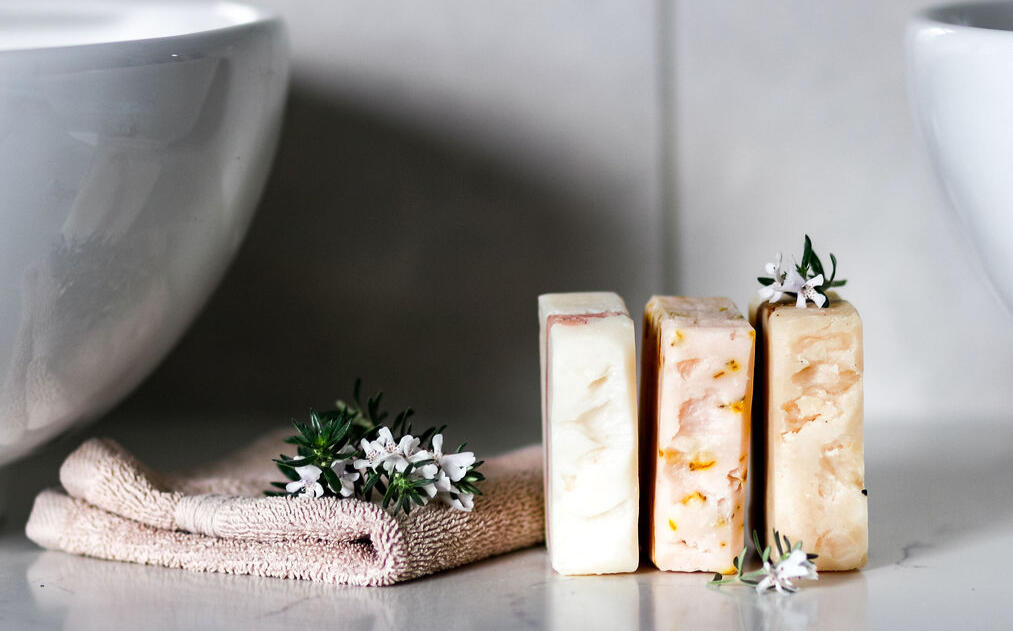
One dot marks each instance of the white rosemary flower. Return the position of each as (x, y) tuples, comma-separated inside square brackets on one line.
[(785, 282), (779, 576), (427, 471), (346, 477), (454, 464), (307, 485), (375, 455), (774, 269), (808, 291), (463, 501)]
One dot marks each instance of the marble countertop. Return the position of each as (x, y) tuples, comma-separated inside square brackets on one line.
[(941, 510)]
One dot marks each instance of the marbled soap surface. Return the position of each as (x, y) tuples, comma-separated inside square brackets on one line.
[(941, 522)]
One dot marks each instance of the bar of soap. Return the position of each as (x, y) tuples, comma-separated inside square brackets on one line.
[(811, 424), (589, 429), (696, 397)]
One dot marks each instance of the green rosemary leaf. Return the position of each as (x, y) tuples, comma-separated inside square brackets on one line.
[(756, 541), (833, 271), (807, 253), (838, 283), (373, 408), (388, 495), (294, 462), (718, 578), (765, 281), (817, 264), (332, 480), (400, 424), (278, 485), (367, 488), (288, 472), (777, 541)]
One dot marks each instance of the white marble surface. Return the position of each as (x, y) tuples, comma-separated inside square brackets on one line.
[(942, 538)]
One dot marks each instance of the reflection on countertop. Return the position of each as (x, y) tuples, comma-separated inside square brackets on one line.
[(518, 591), (941, 515)]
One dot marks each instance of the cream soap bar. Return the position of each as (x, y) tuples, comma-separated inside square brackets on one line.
[(589, 429), (697, 390), (811, 424)]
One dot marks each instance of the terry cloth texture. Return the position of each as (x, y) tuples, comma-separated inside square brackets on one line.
[(216, 519)]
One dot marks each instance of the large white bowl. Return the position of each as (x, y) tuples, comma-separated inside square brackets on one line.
[(135, 139), (960, 73)]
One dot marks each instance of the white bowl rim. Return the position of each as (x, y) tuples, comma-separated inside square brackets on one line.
[(949, 16), (256, 16)]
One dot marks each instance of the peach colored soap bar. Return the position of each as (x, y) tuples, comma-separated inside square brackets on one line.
[(589, 405), (811, 423), (697, 389)]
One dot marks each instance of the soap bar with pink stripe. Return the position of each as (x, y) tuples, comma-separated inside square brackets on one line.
[(589, 423), (696, 394)]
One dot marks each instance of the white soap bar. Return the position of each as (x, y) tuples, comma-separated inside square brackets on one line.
[(589, 429), (697, 390), (812, 425)]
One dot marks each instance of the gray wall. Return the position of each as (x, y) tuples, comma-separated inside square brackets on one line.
[(444, 162)]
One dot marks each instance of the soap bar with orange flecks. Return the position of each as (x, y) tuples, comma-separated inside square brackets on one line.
[(696, 395), (589, 408), (810, 431)]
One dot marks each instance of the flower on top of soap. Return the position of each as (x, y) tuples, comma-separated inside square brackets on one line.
[(358, 456), (805, 281)]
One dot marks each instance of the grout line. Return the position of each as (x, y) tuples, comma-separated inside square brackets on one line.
[(665, 64)]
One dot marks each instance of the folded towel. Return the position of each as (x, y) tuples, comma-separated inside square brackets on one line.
[(216, 519)]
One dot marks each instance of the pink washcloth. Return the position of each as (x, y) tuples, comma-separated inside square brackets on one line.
[(217, 519)]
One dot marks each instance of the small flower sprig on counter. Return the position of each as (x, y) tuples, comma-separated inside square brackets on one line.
[(791, 563), (805, 281), (348, 452)]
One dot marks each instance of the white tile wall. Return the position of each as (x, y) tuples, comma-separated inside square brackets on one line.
[(792, 116), (445, 161)]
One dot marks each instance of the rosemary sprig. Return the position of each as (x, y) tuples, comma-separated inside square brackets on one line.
[(357, 455), (807, 281), (791, 562)]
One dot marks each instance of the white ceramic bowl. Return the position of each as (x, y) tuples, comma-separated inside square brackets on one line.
[(135, 139), (960, 74)]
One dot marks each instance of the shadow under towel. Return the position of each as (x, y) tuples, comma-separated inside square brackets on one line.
[(216, 519)]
